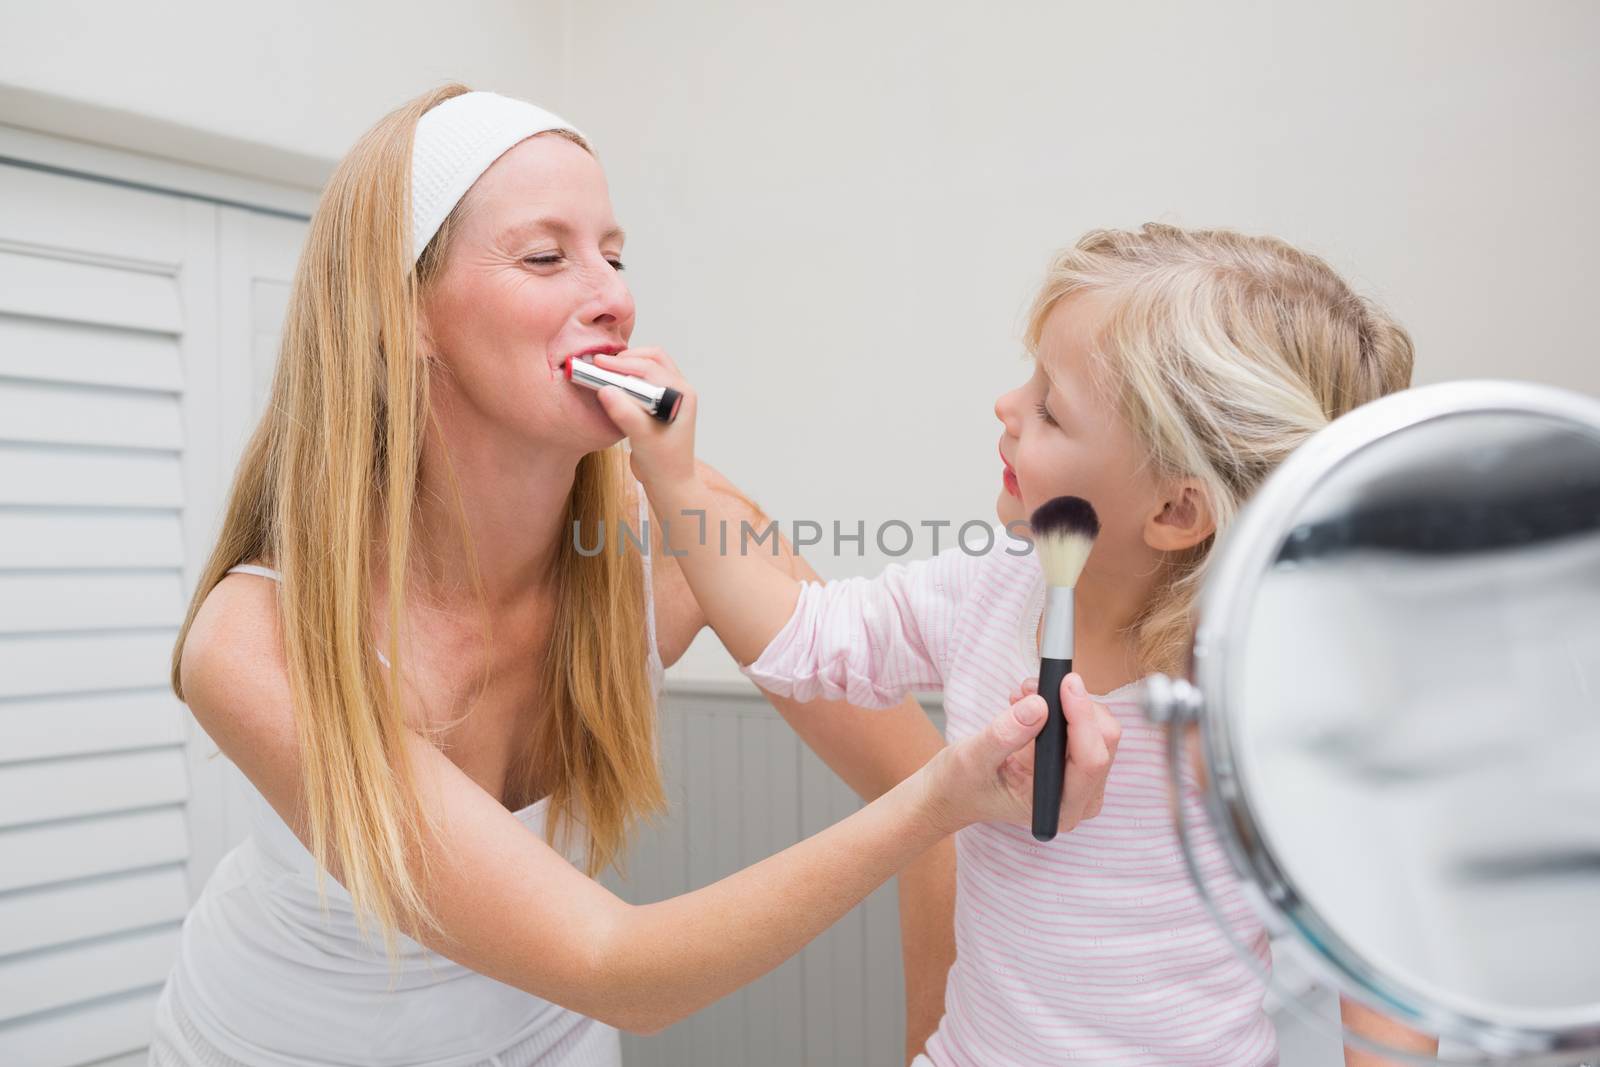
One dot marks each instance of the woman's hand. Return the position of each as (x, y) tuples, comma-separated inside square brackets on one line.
[(663, 452), (989, 777)]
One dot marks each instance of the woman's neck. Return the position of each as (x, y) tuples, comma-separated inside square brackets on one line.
[(514, 503)]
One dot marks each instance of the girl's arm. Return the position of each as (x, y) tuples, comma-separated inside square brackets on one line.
[(512, 908), (871, 753), (745, 599), (857, 640)]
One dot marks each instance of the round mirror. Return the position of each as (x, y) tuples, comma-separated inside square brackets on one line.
[(1397, 692)]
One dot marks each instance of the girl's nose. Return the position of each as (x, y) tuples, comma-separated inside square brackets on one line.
[(1007, 409)]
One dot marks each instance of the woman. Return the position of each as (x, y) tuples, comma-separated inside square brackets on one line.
[(400, 644)]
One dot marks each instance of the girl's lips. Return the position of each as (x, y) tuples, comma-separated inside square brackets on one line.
[(1009, 477)]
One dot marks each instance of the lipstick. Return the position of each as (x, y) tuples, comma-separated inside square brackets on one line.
[(661, 401)]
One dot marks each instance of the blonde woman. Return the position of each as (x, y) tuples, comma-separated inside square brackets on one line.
[(1172, 370), (437, 695)]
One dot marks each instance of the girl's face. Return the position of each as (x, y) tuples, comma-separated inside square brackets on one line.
[(532, 276), (1063, 436)]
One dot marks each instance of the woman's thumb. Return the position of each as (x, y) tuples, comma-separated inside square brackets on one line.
[(1015, 727)]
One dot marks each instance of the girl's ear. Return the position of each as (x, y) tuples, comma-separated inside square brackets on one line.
[(1183, 519)]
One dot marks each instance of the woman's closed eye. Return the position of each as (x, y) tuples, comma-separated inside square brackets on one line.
[(552, 259)]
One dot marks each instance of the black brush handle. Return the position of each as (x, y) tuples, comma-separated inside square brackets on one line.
[(1050, 750)]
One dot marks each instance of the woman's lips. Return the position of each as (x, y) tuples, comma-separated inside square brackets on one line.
[(560, 368)]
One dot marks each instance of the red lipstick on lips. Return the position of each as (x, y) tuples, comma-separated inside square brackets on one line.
[(1009, 477)]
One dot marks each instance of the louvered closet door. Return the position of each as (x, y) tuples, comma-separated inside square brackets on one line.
[(109, 434), (256, 256)]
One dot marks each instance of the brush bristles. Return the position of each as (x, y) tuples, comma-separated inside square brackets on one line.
[(1064, 530)]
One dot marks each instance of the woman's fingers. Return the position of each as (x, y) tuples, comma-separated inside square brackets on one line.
[(1012, 730), (1002, 756), (1111, 730), (1093, 734)]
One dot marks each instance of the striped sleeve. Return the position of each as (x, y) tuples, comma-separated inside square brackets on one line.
[(868, 641)]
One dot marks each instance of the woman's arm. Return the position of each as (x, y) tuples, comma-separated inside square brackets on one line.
[(871, 752), (512, 908), (1368, 1023)]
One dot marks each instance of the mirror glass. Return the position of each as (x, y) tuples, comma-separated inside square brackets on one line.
[(1415, 720)]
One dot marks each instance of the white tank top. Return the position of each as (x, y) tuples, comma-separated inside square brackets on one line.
[(266, 979)]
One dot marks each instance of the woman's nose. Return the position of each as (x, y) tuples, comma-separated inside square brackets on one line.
[(611, 302)]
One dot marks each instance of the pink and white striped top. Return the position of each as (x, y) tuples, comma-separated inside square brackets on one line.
[(1094, 947)]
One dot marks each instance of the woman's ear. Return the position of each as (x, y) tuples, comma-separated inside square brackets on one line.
[(424, 335), (1183, 519), (427, 351)]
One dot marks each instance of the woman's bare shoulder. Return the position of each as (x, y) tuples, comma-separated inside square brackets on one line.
[(233, 664)]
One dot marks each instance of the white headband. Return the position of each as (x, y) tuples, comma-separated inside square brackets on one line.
[(456, 141)]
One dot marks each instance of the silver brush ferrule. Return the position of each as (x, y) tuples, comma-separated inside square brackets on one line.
[(1057, 642)]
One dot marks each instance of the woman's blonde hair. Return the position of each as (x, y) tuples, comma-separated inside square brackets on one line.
[(327, 492), (1225, 352)]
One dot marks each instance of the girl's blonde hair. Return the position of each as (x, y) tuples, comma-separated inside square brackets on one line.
[(327, 492), (1224, 352)]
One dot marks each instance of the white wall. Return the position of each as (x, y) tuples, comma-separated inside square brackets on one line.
[(837, 212), (275, 90)]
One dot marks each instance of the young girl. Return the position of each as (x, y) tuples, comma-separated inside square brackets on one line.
[(1173, 370)]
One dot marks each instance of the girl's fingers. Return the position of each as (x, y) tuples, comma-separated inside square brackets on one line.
[(650, 371), (630, 418), (651, 364), (654, 355)]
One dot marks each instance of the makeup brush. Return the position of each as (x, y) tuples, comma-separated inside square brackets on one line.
[(1064, 530)]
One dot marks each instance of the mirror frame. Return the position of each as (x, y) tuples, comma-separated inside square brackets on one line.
[(1223, 613)]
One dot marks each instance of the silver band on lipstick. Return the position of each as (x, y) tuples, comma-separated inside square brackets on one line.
[(660, 401), (1057, 643)]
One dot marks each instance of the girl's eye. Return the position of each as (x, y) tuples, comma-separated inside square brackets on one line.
[(1044, 413)]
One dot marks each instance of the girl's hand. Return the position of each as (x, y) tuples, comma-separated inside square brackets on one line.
[(989, 777), (663, 452)]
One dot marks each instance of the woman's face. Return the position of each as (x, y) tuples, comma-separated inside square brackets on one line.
[(531, 277), (1063, 436)]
